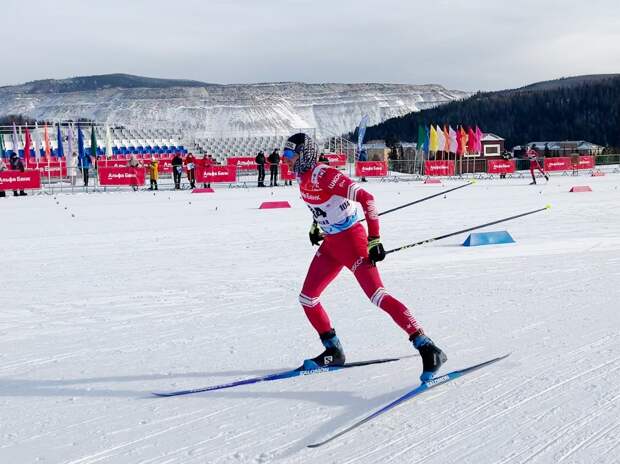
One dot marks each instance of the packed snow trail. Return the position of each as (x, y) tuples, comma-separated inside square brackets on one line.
[(141, 292)]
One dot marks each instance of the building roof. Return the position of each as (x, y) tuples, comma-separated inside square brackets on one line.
[(559, 145), (490, 137)]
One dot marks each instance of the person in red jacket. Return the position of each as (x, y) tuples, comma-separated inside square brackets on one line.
[(532, 154), (190, 166), (333, 199)]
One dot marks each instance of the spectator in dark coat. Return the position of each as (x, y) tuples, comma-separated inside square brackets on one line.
[(260, 163), (17, 165), (2, 168), (177, 171), (274, 162), (84, 163)]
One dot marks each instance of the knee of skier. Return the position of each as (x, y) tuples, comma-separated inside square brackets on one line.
[(377, 296), (308, 301)]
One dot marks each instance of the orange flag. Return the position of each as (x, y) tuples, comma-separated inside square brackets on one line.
[(48, 150)]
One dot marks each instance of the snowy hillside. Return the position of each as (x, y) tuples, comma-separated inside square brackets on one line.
[(210, 109), (141, 292)]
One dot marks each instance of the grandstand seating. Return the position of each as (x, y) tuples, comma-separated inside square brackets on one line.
[(221, 148), (147, 142)]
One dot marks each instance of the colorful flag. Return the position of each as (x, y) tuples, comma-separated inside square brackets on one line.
[(80, 142), (427, 134), (433, 144), (462, 142), (479, 136), (441, 144), (48, 148), (453, 142), (471, 141), (446, 136), (1, 146), (70, 141), (108, 142), (361, 132), (422, 139), (61, 151), (93, 142), (14, 141), (27, 141), (36, 142)]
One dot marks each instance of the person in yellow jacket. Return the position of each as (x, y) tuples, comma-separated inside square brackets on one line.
[(154, 173)]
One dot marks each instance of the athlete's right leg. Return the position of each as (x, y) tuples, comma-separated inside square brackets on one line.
[(323, 269)]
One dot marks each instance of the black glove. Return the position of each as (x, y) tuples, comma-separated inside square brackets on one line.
[(315, 234), (376, 252)]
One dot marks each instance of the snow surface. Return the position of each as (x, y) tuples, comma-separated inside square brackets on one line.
[(140, 292)]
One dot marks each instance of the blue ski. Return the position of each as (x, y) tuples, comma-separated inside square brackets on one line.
[(424, 387), (300, 371)]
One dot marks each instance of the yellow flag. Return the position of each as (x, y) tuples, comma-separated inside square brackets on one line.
[(433, 143)]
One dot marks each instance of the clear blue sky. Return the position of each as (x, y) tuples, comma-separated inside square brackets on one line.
[(467, 45)]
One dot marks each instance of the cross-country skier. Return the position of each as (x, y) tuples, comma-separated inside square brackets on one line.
[(532, 154), (333, 199)]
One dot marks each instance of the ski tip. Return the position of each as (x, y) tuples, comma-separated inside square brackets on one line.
[(473, 181), (548, 206)]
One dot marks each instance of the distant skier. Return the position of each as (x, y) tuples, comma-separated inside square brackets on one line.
[(333, 199), (532, 154)]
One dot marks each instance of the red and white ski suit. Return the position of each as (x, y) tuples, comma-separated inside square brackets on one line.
[(333, 199), (534, 164)]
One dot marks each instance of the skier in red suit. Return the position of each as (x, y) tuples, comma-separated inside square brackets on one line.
[(333, 199), (534, 164)]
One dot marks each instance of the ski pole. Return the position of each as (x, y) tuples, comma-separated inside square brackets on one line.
[(434, 239), (423, 199)]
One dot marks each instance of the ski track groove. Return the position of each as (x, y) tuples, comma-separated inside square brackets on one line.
[(108, 453), (462, 434), (552, 339), (589, 441)]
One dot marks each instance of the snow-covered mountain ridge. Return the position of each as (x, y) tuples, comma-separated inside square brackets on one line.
[(200, 109)]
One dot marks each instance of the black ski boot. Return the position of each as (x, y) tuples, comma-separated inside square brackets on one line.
[(332, 356), (432, 356)]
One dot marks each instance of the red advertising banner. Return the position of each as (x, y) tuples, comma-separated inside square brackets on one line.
[(55, 168), (215, 174), (113, 163), (202, 162), (585, 162), (285, 174), (244, 163), (336, 159), (165, 166), (439, 168), (562, 163), (501, 166), (121, 176), (371, 168), (17, 180)]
